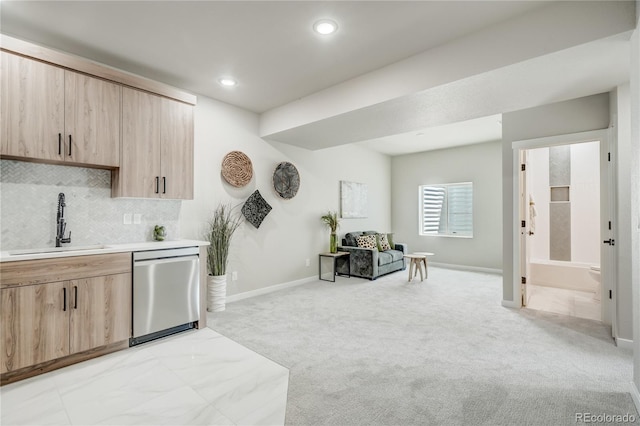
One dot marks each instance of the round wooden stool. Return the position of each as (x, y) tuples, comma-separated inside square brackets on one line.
[(416, 262)]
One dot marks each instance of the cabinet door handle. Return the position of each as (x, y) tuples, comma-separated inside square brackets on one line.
[(75, 297), (164, 184), (69, 145), (64, 299), (157, 184), (59, 143)]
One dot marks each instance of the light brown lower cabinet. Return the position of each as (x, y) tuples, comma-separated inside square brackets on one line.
[(53, 324), (99, 312), (35, 325)]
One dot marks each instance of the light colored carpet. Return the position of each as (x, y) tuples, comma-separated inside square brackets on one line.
[(440, 352)]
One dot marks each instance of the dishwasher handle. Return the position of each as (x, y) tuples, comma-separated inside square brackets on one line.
[(165, 253), (165, 260)]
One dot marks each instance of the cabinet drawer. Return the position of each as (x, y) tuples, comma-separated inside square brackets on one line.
[(29, 272)]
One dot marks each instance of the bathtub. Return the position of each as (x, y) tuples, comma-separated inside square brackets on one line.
[(560, 274)]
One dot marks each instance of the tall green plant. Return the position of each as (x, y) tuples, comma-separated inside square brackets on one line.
[(331, 220), (221, 228)]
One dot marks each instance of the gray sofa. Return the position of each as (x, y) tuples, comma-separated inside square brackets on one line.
[(371, 263)]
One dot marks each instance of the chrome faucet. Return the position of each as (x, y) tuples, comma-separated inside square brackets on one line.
[(61, 223)]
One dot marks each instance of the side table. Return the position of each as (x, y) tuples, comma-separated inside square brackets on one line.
[(335, 257), (425, 254), (416, 261)]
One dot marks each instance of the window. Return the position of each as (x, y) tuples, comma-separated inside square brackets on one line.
[(447, 209)]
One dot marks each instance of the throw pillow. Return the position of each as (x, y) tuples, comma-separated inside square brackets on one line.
[(367, 241), (383, 243), (390, 239)]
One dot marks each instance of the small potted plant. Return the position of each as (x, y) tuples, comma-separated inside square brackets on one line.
[(331, 220), (220, 230), (159, 233)]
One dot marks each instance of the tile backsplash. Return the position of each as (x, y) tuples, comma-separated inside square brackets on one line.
[(29, 201)]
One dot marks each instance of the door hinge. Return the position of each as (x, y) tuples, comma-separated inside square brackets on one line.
[(523, 224), (609, 225), (523, 167), (608, 156), (524, 280), (610, 294)]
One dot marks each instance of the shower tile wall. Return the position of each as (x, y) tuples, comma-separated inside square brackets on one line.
[(560, 211), (28, 205)]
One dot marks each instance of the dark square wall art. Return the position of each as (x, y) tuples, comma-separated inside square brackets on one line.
[(255, 209)]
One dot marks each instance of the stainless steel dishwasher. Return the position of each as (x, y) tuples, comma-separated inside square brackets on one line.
[(166, 292)]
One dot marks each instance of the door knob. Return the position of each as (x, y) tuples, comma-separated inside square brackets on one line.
[(610, 241)]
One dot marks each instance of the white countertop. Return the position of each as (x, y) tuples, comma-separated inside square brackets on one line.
[(51, 252)]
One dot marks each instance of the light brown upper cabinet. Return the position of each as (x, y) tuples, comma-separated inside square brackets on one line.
[(53, 114), (31, 107), (91, 120), (157, 147)]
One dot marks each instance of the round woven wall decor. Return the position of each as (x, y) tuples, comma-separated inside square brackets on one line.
[(237, 168)]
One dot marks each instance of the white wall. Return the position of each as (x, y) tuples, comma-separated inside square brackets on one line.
[(584, 198), (479, 164), (292, 232), (635, 199)]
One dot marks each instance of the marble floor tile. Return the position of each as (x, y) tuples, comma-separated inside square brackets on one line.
[(198, 377), (272, 412), (267, 384), (181, 406), (99, 397), (40, 417), (32, 401)]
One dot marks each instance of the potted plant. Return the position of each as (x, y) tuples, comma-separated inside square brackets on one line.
[(331, 220), (221, 227)]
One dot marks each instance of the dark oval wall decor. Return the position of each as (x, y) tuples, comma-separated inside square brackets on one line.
[(286, 180)]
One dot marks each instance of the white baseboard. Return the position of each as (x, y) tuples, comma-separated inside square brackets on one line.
[(261, 291), (466, 268), (511, 304), (624, 343), (635, 395)]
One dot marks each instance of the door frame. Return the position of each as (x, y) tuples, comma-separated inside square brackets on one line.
[(604, 136), (524, 216)]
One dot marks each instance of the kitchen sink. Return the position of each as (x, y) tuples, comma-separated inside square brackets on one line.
[(55, 250)]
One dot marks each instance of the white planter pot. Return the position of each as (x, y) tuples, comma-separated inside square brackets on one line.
[(216, 293)]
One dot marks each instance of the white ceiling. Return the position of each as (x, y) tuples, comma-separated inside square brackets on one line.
[(484, 129), (269, 47)]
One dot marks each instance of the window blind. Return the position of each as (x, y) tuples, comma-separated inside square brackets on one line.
[(447, 209)]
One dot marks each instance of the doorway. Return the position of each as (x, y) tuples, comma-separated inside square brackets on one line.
[(567, 239), (560, 208)]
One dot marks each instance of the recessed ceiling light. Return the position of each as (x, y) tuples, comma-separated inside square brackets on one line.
[(227, 82), (325, 26)]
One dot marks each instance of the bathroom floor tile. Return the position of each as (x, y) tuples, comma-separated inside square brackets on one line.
[(575, 303)]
